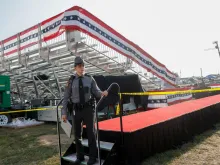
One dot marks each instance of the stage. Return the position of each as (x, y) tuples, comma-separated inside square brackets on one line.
[(154, 131)]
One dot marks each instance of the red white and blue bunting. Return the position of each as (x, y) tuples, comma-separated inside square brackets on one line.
[(77, 18), (159, 101)]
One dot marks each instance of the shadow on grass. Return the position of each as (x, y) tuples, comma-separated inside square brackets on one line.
[(168, 156)]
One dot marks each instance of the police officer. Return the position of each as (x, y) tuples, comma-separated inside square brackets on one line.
[(80, 90)]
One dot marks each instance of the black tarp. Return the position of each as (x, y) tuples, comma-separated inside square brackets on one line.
[(127, 83), (204, 94)]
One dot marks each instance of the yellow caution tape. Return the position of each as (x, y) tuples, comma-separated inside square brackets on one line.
[(131, 94), (172, 92), (165, 93), (26, 110), (118, 106)]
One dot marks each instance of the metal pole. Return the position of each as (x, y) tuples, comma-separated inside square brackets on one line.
[(122, 131), (57, 83), (58, 129), (35, 87), (121, 121), (97, 126), (2, 54), (18, 49), (39, 39), (217, 47), (19, 92), (201, 72)]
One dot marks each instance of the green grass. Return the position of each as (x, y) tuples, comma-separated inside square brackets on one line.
[(202, 150), (21, 146)]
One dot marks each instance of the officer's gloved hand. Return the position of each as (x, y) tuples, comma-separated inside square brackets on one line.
[(105, 93), (64, 118)]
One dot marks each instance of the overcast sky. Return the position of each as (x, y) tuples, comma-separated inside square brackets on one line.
[(174, 32)]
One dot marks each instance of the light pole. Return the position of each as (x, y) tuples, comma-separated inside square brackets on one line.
[(201, 72), (216, 47)]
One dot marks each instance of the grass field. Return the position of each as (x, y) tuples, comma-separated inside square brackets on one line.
[(203, 150), (38, 145), (30, 146)]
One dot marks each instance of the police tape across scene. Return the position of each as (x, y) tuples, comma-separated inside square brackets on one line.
[(131, 94), (24, 110), (173, 92)]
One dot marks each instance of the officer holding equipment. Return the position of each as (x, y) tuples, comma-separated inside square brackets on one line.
[(80, 90)]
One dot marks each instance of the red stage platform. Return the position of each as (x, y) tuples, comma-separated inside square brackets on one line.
[(142, 120), (150, 132)]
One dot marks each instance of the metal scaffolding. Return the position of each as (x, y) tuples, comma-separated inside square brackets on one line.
[(42, 68)]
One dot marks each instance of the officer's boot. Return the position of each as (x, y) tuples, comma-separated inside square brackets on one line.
[(91, 161), (79, 151), (78, 161)]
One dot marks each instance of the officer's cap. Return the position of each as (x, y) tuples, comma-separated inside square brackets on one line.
[(78, 60)]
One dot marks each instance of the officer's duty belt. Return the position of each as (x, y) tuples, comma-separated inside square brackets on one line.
[(79, 106)]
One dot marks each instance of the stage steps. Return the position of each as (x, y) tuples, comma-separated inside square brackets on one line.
[(107, 153), (71, 158), (103, 145)]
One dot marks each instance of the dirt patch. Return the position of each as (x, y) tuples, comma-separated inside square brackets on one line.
[(52, 140)]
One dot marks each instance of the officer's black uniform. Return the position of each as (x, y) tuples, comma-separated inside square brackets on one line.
[(80, 91)]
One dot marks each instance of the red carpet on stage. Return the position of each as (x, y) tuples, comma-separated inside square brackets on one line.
[(141, 120)]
